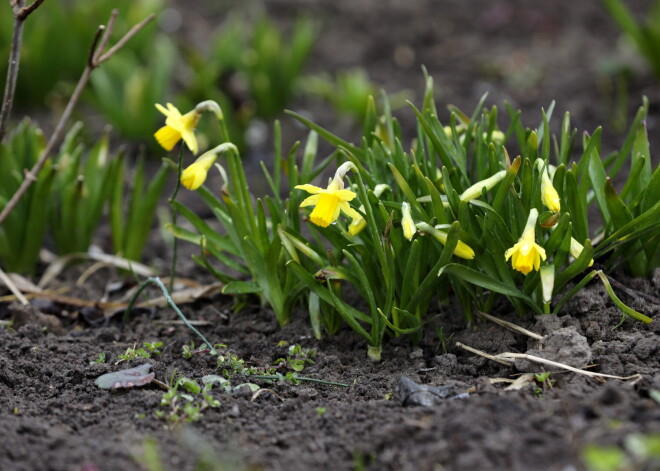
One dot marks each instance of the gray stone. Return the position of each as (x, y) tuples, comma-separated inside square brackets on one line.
[(564, 345), (411, 393), (448, 361)]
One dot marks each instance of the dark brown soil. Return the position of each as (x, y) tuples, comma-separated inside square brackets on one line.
[(53, 417)]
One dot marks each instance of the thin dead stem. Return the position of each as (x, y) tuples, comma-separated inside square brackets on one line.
[(13, 288), (510, 325), (508, 358), (97, 58)]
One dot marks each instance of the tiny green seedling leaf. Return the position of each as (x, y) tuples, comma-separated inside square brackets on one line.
[(130, 378)]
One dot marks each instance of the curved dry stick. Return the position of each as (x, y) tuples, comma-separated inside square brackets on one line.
[(95, 59)]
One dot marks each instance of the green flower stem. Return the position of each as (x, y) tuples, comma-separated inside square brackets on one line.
[(173, 216)]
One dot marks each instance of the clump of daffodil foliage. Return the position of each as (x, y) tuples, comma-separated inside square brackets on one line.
[(400, 224), (69, 199)]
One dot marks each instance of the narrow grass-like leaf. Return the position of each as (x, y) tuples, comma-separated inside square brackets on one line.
[(476, 278)]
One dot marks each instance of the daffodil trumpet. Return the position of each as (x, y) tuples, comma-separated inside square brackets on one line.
[(331, 201), (195, 174), (526, 254)]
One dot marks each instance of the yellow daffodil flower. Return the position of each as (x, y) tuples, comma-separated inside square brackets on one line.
[(195, 174), (177, 127), (476, 190), (331, 201), (526, 253), (462, 250), (549, 195), (357, 225), (407, 223)]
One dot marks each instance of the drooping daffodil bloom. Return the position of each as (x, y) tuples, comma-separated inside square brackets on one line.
[(526, 254), (177, 127), (462, 250), (195, 174), (549, 195), (331, 201), (476, 190), (357, 225), (407, 222)]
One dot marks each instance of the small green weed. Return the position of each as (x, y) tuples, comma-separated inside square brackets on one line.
[(100, 359), (143, 352)]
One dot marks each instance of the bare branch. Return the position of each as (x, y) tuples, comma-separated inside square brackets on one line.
[(106, 35), (66, 114), (95, 42), (26, 11), (12, 76), (132, 32)]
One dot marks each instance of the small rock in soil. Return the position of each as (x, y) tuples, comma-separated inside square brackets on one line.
[(411, 393), (564, 345), (446, 362), (29, 314), (547, 324), (416, 354)]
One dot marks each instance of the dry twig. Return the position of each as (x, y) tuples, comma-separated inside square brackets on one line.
[(510, 325), (96, 57), (13, 288), (507, 358)]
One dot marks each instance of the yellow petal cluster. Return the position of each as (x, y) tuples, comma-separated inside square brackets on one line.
[(526, 254), (177, 127), (331, 201)]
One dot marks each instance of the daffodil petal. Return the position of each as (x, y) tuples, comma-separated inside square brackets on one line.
[(310, 201), (162, 109), (189, 138), (345, 195), (309, 188), (173, 111), (348, 211)]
